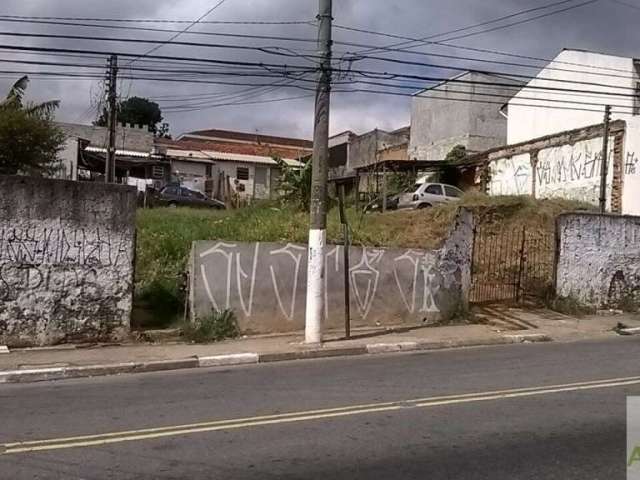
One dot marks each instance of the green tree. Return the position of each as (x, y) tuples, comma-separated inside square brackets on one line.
[(450, 174), (295, 184), (29, 140), (139, 111)]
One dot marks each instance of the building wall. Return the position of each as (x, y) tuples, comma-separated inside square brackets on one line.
[(544, 118), (443, 117), (264, 283), (566, 165), (66, 261), (68, 160), (599, 259)]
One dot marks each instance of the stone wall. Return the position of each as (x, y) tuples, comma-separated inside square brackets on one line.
[(264, 283), (599, 259), (66, 260)]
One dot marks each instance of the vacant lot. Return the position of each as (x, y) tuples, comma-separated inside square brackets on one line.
[(165, 236)]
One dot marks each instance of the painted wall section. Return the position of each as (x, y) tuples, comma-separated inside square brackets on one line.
[(66, 261), (573, 171), (511, 176), (599, 259), (264, 283)]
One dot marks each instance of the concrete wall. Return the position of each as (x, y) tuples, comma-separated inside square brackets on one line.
[(564, 165), (542, 117), (66, 260), (442, 117), (599, 259), (264, 283)]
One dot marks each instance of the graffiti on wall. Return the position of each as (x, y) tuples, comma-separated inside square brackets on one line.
[(510, 176), (264, 279), (599, 259), (57, 260), (631, 166)]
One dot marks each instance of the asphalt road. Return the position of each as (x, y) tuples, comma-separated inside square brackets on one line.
[(423, 415)]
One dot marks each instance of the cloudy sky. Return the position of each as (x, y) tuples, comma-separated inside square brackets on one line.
[(607, 26)]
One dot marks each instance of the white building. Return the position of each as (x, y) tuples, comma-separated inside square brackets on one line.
[(584, 82)]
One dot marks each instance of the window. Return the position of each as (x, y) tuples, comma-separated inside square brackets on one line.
[(170, 191), (242, 173), (452, 191), (157, 171), (433, 189)]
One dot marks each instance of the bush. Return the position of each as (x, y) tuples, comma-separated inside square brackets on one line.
[(215, 327)]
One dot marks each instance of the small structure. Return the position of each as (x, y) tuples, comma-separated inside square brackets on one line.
[(84, 155)]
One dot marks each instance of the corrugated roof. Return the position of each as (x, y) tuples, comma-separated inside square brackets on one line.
[(123, 153), (210, 155)]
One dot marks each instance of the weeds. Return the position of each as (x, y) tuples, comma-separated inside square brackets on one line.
[(569, 306), (215, 327)]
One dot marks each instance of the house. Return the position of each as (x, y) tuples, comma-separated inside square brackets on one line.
[(555, 133), (353, 159), (85, 149), (216, 161), (457, 112)]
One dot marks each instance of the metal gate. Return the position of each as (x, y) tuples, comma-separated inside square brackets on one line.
[(510, 265)]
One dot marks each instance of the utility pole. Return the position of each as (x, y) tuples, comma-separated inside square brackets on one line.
[(112, 77), (603, 163), (318, 214)]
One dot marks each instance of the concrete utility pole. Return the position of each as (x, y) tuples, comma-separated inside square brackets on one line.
[(318, 215), (603, 163), (112, 77)]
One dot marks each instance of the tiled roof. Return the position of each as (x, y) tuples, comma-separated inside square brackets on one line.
[(252, 137), (235, 148)]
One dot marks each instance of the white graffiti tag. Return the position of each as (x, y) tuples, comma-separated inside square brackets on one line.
[(295, 252), (364, 280)]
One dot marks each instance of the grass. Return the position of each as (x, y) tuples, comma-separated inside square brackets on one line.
[(165, 236), (215, 327)]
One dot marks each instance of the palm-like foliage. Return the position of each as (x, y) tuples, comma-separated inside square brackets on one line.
[(15, 100), (29, 139)]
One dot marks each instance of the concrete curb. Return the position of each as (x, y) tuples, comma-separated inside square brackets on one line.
[(64, 372)]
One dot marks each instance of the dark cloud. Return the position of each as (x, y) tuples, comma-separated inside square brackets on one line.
[(603, 26)]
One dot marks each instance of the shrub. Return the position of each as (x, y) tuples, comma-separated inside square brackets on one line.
[(217, 326)]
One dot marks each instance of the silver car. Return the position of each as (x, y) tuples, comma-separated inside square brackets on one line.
[(430, 194)]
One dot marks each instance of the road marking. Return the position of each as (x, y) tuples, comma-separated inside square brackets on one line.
[(233, 424)]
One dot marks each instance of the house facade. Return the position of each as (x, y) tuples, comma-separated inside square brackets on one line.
[(220, 162), (85, 149), (584, 82), (457, 112)]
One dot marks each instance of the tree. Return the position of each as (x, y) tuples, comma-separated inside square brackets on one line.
[(451, 173), (139, 111), (29, 140), (295, 184)]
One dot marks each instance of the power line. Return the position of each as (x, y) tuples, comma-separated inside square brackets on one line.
[(477, 25), (159, 30), (127, 20), (555, 12), (481, 60), (244, 47), (176, 35), (371, 74)]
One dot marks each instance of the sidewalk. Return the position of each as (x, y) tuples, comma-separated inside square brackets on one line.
[(503, 326)]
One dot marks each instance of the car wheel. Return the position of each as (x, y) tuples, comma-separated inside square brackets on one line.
[(424, 205), (172, 205)]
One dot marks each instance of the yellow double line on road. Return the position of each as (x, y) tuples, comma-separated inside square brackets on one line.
[(302, 416)]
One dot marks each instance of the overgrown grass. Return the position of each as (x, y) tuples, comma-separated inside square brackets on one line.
[(165, 236), (215, 327)]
